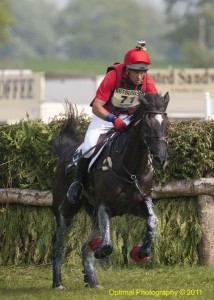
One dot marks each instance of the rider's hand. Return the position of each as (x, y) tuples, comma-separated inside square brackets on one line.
[(119, 125)]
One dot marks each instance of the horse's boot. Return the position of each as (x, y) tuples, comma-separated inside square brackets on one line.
[(74, 193)]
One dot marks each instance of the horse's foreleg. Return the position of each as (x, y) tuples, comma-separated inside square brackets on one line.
[(104, 225), (59, 239), (90, 277), (142, 253)]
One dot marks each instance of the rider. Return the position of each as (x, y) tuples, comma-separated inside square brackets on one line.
[(115, 102)]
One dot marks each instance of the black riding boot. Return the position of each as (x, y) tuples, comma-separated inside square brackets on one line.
[(74, 193)]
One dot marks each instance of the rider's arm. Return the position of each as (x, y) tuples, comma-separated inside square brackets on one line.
[(150, 85), (103, 94), (99, 110)]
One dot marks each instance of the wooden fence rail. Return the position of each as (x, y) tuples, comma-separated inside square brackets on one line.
[(203, 188)]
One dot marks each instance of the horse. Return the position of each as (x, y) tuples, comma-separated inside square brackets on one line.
[(118, 182)]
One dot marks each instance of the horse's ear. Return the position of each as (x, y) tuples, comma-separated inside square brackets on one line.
[(143, 100), (166, 99)]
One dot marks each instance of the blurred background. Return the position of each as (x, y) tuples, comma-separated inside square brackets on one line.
[(78, 39), (176, 31)]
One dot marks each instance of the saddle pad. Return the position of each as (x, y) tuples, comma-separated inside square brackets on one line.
[(96, 156)]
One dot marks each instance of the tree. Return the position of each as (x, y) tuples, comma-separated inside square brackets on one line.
[(191, 30), (5, 21), (83, 29), (33, 34), (100, 29)]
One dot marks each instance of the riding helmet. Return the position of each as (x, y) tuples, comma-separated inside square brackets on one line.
[(137, 58)]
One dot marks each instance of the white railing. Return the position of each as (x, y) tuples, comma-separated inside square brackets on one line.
[(209, 106)]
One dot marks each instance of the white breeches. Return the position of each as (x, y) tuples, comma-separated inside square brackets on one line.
[(95, 129)]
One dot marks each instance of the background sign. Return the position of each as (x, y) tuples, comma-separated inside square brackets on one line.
[(187, 88)]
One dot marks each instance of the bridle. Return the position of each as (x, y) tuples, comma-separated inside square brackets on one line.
[(132, 177), (160, 138)]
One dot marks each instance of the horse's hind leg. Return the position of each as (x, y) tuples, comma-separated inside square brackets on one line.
[(58, 243), (142, 253), (59, 240)]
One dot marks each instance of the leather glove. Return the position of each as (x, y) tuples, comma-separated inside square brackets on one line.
[(119, 125)]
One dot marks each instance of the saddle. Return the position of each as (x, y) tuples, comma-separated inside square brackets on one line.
[(115, 142)]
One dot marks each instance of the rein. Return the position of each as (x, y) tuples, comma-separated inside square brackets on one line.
[(133, 178)]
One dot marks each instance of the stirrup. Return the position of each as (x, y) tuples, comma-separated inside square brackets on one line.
[(74, 193)]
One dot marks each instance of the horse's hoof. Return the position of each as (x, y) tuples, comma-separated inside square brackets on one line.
[(135, 254), (103, 252), (60, 287)]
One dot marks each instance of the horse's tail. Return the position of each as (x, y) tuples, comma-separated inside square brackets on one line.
[(67, 137)]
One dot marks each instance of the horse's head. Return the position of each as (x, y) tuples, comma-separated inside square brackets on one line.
[(155, 124)]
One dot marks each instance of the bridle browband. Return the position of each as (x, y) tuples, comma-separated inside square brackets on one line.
[(161, 138)]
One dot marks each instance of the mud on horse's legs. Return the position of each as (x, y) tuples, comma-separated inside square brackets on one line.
[(104, 225), (141, 253), (151, 225), (59, 239), (90, 277), (99, 246)]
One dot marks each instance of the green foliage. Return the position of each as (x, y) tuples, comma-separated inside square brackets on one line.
[(82, 29), (178, 222), (27, 232), (27, 154), (27, 161), (196, 58), (30, 37), (98, 27), (6, 20), (191, 30), (191, 151)]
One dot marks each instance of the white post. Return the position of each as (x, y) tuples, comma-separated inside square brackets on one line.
[(208, 108)]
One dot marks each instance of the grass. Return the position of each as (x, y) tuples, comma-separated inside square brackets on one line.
[(72, 66), (136, 283)]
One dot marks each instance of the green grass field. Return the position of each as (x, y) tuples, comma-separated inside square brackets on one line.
[(129, 283), (74, 66)]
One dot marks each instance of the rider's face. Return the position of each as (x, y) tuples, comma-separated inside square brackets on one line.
[(136, 76)]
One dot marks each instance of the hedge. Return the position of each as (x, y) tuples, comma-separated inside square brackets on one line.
[(27, 161)]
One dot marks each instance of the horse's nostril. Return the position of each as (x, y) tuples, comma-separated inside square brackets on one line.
[(158, 162)]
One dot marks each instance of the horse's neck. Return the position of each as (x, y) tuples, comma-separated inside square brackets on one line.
[(136, 155)]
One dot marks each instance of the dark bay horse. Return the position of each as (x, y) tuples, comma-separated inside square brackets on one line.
[(119, 182)]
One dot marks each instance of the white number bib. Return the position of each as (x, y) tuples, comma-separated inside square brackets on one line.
[(123, 98)]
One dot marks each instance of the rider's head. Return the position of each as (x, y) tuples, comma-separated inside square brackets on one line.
[(137, 59)]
